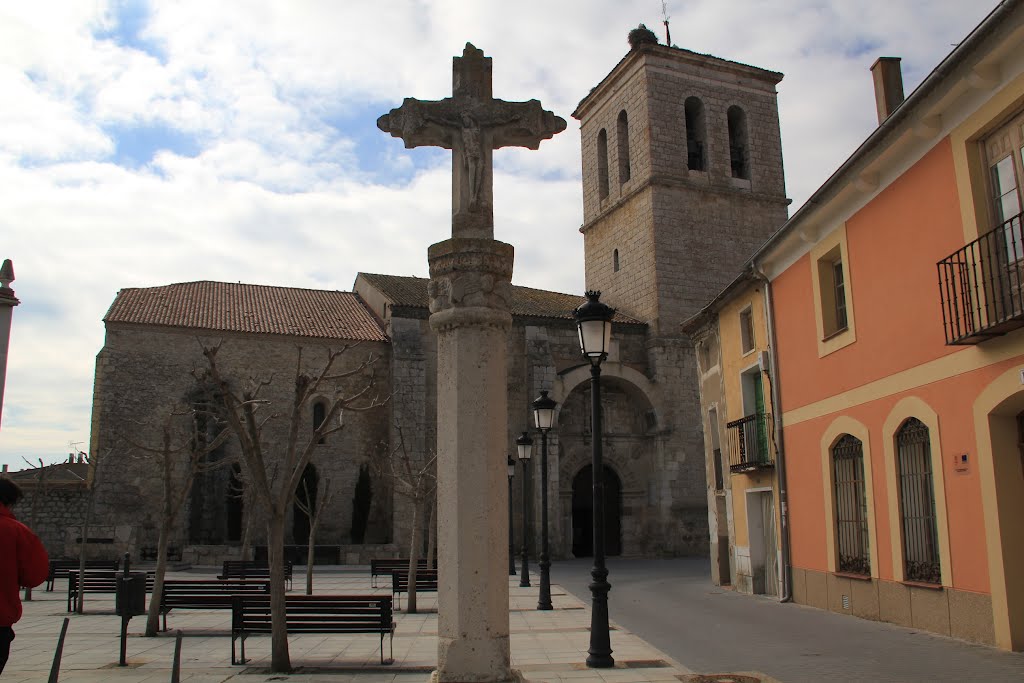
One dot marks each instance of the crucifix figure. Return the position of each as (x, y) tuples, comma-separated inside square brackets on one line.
[(472, 124), (469, 290)]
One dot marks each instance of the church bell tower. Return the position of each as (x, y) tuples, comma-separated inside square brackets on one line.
[(682, 181), (682, 178)]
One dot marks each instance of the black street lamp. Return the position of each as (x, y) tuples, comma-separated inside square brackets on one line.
[(511, 550), (594, 321), (544, 419), (525, 446)]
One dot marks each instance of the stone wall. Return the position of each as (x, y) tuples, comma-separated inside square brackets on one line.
[(145, 373), (659, 504), (949, 612), (413, 408), (55, 514)]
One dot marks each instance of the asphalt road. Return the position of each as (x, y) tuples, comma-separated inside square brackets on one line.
[(673, 605)]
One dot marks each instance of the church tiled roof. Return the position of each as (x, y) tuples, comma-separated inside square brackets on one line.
[(223, 306), (411, 292)]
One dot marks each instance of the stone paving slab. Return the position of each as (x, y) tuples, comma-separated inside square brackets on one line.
[(546, 646)]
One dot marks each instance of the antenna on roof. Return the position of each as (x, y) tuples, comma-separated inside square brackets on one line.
[(664, 20)]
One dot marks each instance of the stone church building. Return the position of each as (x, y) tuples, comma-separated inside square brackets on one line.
[(682, 180)]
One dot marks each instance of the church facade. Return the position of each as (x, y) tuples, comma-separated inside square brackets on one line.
[(682, 180)]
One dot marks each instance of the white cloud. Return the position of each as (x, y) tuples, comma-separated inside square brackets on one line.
[(289, 181)]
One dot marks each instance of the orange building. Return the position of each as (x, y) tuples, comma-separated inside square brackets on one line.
[(896, 302)]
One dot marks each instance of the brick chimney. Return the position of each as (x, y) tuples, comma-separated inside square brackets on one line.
[(888, 80)]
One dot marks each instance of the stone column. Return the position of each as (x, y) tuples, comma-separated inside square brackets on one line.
[(7, 303), (470, 285)]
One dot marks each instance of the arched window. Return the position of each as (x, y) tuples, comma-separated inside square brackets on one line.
[(615, 261), (851, 506), (602, 163), (917, 503), (696, 134), (739, 155), (622, 130), (319, 415)]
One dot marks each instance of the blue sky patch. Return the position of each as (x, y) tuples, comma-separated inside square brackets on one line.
[(381, 156), (131, 17), (138, 144)]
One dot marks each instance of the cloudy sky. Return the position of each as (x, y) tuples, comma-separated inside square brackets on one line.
[(145, 143)]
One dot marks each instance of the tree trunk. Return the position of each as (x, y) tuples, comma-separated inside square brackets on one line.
[(247, 524), (410, 606), (432, 533), (310, 555), (280, 662), (33, 521), (153, 616), (83, 549)]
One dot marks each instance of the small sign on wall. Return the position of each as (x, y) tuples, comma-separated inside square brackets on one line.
[(961, 463)]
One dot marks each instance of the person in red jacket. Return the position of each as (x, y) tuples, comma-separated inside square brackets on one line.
[(23, 562)]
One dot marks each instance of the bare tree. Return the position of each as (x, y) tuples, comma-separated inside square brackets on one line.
[(415, 479), (182, 455), (238, 490), (321, 499), (247, 412), (94, 472), (39, 493)]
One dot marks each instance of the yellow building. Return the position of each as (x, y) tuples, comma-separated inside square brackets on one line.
[(732, 340)]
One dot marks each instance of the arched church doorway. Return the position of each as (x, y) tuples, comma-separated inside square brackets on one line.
[(305, 497), (629, 438), (583, 512)]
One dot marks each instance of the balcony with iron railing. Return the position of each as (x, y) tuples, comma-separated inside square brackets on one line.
[(751, 441), (981, 286)]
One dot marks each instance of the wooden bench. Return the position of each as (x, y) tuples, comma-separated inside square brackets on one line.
[(96, 582), (250, 569), (426, 582), (148, 553), (314, 614), (385, 565), (59, 568), (206, 593)]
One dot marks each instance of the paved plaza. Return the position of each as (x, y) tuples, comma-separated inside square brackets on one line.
[(546, 646), (666, 617)]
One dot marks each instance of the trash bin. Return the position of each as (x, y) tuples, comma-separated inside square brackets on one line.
[(130, 598)]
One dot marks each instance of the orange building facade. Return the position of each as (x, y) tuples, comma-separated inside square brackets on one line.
[(896, 305)]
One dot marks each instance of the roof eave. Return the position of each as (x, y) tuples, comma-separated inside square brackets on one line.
[(842, 176)]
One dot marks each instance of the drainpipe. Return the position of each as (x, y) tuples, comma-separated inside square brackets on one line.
[(773, 375)]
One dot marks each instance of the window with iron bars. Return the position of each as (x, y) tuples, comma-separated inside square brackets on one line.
[(851, 506), (917, 503)]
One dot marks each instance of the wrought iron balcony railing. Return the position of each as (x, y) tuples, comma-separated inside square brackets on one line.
[(751, 440), (981, 286)]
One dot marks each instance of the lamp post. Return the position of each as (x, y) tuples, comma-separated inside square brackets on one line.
[(511, 547), (544, 419), (594, 322), (524, 444)]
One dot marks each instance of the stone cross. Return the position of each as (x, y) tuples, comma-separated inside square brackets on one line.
[(470, 289), (472, 124)]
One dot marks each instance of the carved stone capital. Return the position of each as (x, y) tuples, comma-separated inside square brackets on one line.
[(470, 283)]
